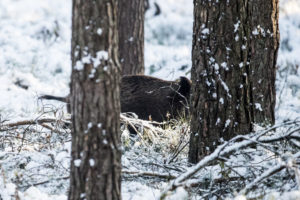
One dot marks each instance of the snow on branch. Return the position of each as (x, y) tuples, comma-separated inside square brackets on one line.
[(233, 146)]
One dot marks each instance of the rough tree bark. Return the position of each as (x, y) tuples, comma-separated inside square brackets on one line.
[(234, 54), (95, 101), (131, 36)]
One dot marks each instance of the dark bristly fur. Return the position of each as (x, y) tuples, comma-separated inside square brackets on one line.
[(149, 97)]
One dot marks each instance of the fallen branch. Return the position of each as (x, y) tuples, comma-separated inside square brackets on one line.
[(123, 118), (267, 174), (133, 173), (199, 182), (152, 174), (55, 130), (6, 126), (44, 182), (227, 149)]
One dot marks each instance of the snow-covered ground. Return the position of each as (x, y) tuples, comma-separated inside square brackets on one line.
[(35, 59), (288, 76)]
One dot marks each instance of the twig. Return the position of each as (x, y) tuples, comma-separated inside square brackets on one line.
[(225, 150), (55, 130), (153, 174), (44, 182), (266, 174), (134, 173), (177, 152), (5, 126), (166, 167), (197, 182)]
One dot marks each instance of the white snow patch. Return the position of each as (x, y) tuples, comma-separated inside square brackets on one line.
[(92, 162), (225, 86), (227, 123), (105, 141), (237, 38), (88, 59), (208, 83), (292, 195), (77, 162), (205, 31), (255, 31), (216, 66), (221, 100), (130, 39), (258, 106), (34, 193), (236, 26), (99, 31), (218, 121), (224, 64)]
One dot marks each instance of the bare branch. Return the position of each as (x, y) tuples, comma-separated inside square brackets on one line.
[(6, 126), (153, 174), (227, 149)]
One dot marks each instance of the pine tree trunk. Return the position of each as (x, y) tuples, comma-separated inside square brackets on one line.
[(234, 54), (131, 36), (95, 102)]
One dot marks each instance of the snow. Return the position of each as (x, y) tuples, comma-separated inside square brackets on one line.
[(205, 31), (225, 87), (240, 197), (236, 26), (237, 38), (35, 194), (35, 51), (90, 125), (221, 100), (92, 162), (218, 121), (293, 195), (258, 106), (130, 39), (255, 32), (227, 123), (99, 31), (216, 66), (88, 59), (208, 83), (77, 162), (105, 141), (224, 64)]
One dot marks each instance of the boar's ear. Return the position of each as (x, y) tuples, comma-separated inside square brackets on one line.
[(185, 86)]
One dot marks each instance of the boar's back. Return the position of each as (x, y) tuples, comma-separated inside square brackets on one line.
[(153, 98)]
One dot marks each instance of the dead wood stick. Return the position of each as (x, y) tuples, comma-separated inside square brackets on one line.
[(145, 173), (6, 126)]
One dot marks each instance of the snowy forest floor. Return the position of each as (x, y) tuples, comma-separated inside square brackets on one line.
[(34, 161)]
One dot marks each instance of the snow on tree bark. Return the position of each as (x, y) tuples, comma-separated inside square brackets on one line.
[(95, 101), (235, 45)]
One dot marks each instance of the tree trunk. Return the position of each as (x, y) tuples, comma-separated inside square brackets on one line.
[(235, 45), (131, 36), (95, 102)]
